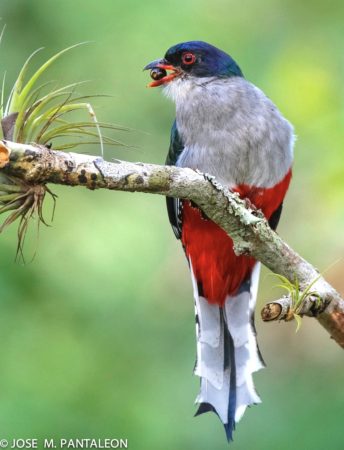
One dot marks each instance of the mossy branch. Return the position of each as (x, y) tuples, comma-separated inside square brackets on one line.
[(247, 227)]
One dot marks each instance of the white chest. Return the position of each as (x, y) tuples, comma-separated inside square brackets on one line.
[(230, 129)]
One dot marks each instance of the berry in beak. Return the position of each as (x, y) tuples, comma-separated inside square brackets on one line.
[(159, 73)]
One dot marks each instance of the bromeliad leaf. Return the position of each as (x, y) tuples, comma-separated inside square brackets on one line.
[(39, 115), (34, 111), (297, 296)]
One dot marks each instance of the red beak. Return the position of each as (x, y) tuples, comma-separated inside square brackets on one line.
[(163, 64)]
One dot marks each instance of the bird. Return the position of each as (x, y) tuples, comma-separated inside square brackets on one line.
[(228, 128)]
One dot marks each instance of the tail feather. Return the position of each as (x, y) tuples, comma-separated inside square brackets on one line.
[(227, 353)]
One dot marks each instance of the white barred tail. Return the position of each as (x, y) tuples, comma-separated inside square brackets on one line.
[(227, 353)]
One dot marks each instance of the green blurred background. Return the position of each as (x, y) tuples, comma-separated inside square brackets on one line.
[(97, 333)]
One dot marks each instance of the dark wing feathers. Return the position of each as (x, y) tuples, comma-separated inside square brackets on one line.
[(174, 205), (275, 217), (176, 146)]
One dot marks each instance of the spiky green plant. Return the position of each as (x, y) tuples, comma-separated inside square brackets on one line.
[(297, 296), (42, 114)]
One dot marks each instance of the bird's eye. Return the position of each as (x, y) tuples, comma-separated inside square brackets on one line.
[(188, 58)]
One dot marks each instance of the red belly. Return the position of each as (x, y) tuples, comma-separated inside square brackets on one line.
[(210, 249)]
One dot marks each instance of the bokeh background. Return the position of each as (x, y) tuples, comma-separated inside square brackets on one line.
[(97, 333)]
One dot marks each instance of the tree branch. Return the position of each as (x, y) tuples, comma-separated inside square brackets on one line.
[(246, 226)]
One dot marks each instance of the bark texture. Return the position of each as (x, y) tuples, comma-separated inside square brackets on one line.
[(247, 227)]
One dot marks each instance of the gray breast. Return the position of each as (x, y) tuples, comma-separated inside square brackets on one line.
[(231, 130)]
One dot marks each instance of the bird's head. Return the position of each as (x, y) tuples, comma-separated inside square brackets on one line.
[(192, 59)]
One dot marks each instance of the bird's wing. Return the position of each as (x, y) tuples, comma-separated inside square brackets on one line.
[(174, 205), (275, 217)]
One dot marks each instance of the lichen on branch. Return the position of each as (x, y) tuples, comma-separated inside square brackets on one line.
[(247, 227)]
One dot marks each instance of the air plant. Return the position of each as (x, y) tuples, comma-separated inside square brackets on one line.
[(24, 202), (297, 296), (39, 115)]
